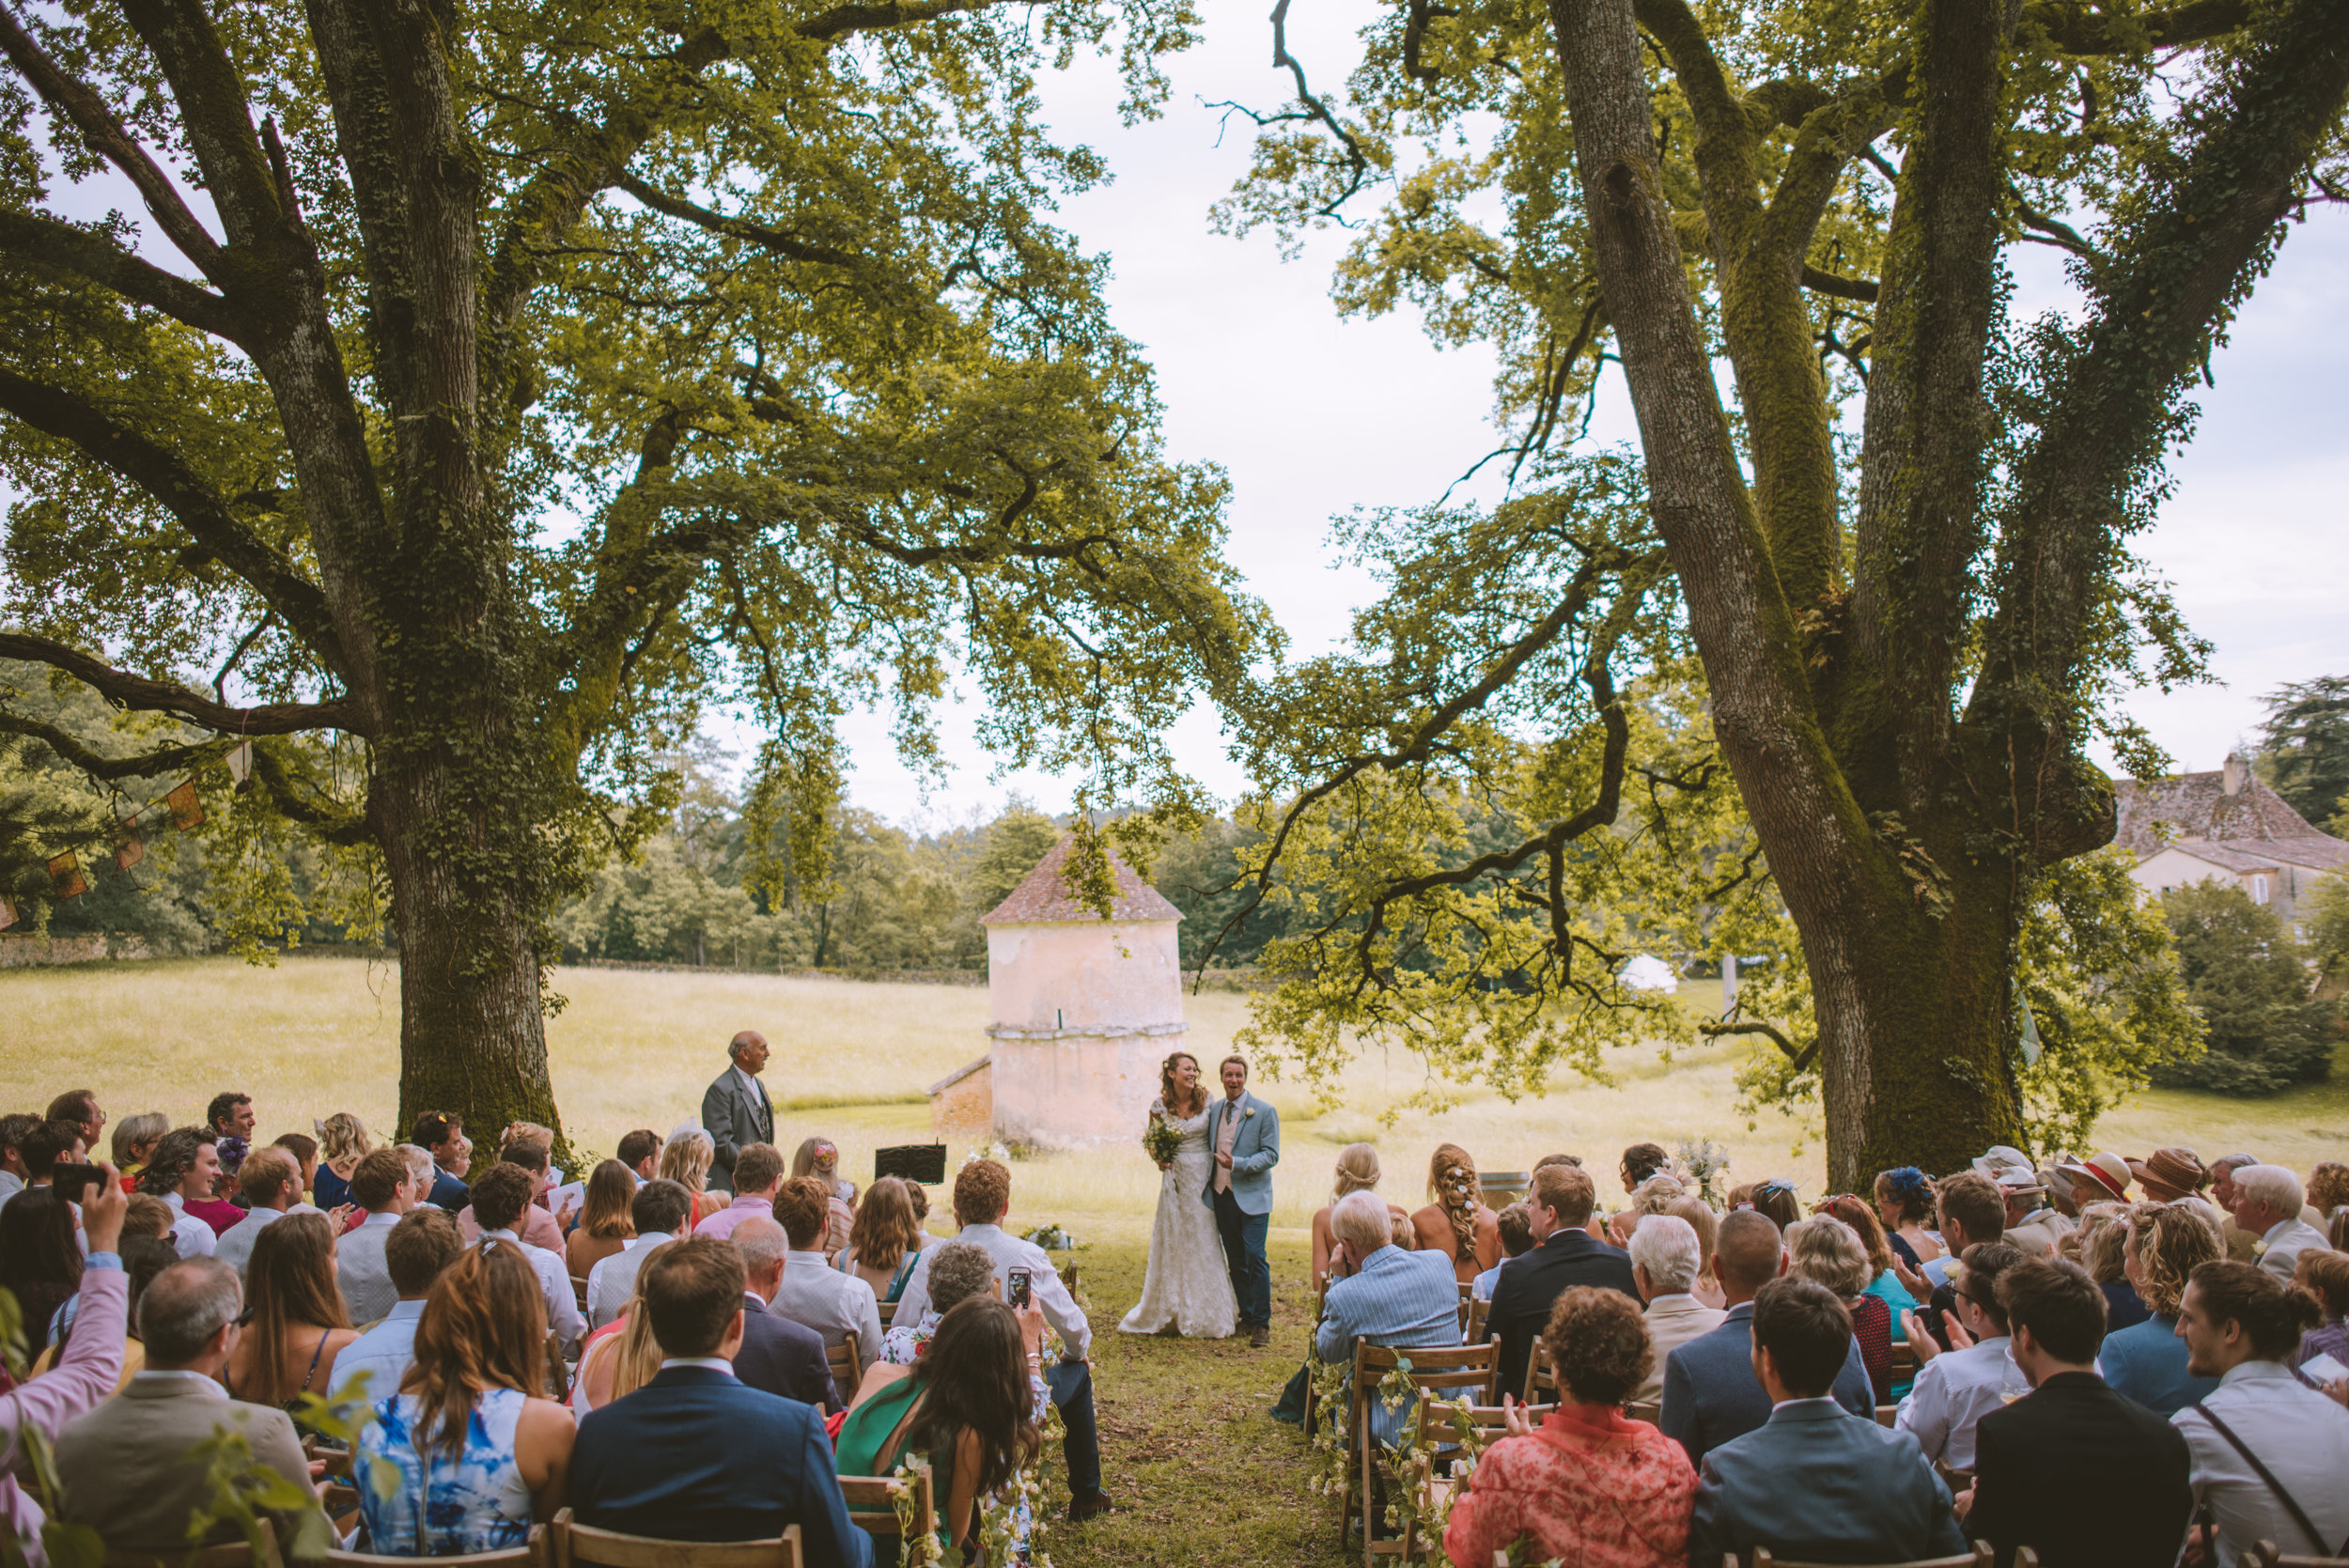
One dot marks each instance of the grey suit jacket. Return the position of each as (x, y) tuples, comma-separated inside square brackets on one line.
[(734, 1120), (123, 1470), (1817, 1483)]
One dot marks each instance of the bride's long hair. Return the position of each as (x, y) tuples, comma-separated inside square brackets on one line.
[(1452, 1179), (1171, 1098)]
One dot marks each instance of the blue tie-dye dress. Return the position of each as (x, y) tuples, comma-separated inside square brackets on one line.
[(418, 1501)]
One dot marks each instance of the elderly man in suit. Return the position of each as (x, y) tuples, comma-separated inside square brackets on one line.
[(1388, 1296), (2078, 1473), (1815, 1483), (1711, 1392), (1557, 1208), (124, 1469), (1245, 1135), (736, 1111), (1665, 1258), (2267, 1203), (777, 1354), (697, 1455)]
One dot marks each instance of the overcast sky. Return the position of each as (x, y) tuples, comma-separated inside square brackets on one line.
[(1314, 416)]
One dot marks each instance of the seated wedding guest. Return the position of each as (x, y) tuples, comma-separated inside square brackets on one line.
[(184, 1163), (134, 1139), (2147, 1362), (1824, 1250), (1664, 1258), (778, 1355), (1590, 1485), (1386, 1294), (1775, 1201), (1640, 1162), (1357, 1171), (416, 1251), (465, 1456), (2169, 1175), (968, 1409), (758, 1173), (230, 1118), (818, 1158), (685, 1161), (1882, 1281), (953, 1271), (885, 1240), (1711, 1392), (623, 1356), (500, 1198), (80, 1108), (695, 1454), (640, 1151), (1458, 1224), (150, 1216), (812, 1292), (40, 1260), (92, 1366), (443, 1134), (267, 1180), (2328, 1188), (1973, 1211), (1557, 1210), (2073, 1471), (1707, 1225), (2104, 1236), (13, 1128), (305, 1151), (603, 1226), (535, 1225), (1517, 1239), (295, 1325), (2267, 1203), (2269, 1454), (126, 1468), (142, 1258), (2325, 1276), (657, 1213), (2033, 1227), (1815, 1481), (421, 1173), (379, 1187), (982, 1198), (1904, 1201), (1655, 1195), (46, 1144), (1957, 1387), (343, 1142)]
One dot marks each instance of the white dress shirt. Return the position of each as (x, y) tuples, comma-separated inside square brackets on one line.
[(554, 1286), (612, 1284), (1952, 1392), (2299, 1435), (384, 1352), (10, 1185), (2282, 1245), (1010, 1252), (835, 1305), (368, 1292), (190, 1237), (236, 1242)]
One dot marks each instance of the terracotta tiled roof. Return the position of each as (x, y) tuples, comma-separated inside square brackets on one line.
[(2197, 811), (1044, 895)]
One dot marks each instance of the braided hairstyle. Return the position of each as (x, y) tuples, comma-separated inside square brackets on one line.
[(1452, 1177)]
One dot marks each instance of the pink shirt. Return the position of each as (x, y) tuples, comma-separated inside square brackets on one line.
[(84, 1378), (722, 1223)]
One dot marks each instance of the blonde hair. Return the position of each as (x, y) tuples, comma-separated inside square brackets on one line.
[(1451, 1179), (419, 1166), (343, 1136), (2171, 1242), (1658, 1194), (1707, 1224), (637, 1361), (1358, 1171), (1827, 1253), (685, 1158)]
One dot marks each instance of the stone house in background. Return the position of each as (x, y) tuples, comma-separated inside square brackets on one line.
[(2225, 826)]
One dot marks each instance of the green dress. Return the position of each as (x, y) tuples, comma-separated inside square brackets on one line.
[(866, 1432)]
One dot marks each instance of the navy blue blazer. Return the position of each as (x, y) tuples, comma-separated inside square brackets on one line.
[(447, 1191), (2081, 1475), (784, 1358), (1817, 1483), (1530, 1285), (1711, 1394), (694, 1455)]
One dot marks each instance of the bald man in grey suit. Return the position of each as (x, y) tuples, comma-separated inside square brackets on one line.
[(736, 1111)]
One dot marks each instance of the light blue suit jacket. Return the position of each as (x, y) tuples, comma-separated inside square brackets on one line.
[(1255, 1150)]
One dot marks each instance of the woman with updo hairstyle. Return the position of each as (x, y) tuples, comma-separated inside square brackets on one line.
[(685, 1161), (1904, 1203), (1458, 1223), (884, 1241), (1589, 1486), (1883, 1282), (1358, 1171), (2164, 1245), (343, 1142), (1775, 1201), (818, 1158)]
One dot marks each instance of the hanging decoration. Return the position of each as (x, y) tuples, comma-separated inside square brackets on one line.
[(187, 807), (65, 877), (240, 766), (131, 848)]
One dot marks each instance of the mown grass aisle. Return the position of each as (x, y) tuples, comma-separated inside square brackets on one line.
[(1201, 1474)]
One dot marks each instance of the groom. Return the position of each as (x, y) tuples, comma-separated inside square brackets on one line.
[(1245, 1133)]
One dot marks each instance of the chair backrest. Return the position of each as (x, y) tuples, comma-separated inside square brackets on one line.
[(888, 1310), (845, 1358), (532, 1553), (1888, 1415), (1479, 1319), (1904, 1360), (2267, 1554), (874, 1510), (576, 1543), (579, 1293), (1439, 1419), (559, 1375), (1541, 1382), (1980, 1557), (1648, 1410), (236, 1554)]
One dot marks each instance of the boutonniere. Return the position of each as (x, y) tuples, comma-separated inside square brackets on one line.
[(1247, 1113), (2258, 1248)]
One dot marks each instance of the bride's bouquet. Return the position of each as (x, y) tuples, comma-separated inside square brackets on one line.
[(1161, 1139)]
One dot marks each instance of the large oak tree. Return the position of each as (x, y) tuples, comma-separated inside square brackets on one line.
[(485, 389)]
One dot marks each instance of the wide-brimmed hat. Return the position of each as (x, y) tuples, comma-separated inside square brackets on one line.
[(2002, 1159), (2169, 1175), (2109, 1173), (2020, 1184)]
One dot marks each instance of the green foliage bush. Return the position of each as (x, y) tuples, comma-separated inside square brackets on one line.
[(2249, 979)]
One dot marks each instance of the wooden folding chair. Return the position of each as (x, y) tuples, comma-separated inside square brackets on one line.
[(558, 1375), (576, 1545), (888, 1310), (1439, 1422), (532, 1553), (847, 1367), (1980, 1557), (579, 1294), (2267, 1554), (872, 1510), (1468, 1298), (1904, 1362), (1463, 1371), (1887, 1415), (1479, 1323), (1541, 1382), (1648, 1410), (235, 1554)]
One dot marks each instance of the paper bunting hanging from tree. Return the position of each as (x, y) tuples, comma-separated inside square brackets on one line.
[(240, 766), (187, 807), (131, 848), (65, 877)]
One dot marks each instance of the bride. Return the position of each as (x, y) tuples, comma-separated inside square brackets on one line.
[(1188, 1291)]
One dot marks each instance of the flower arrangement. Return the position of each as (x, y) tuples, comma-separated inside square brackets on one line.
[(1161, 1139), (1706, 1163), (997, 1151), (1052, 1238)]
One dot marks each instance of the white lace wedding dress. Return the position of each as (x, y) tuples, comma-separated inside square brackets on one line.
[(1186, 1291)]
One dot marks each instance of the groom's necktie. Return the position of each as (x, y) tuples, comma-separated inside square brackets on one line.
[(1224, 1146)]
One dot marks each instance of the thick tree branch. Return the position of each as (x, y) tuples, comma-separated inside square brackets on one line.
[(164, 476), (106, 770), (1801, 1058), (830, 26), (789, 248), (143, 696), (217, 121), (34, 237), (1820, 282)]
